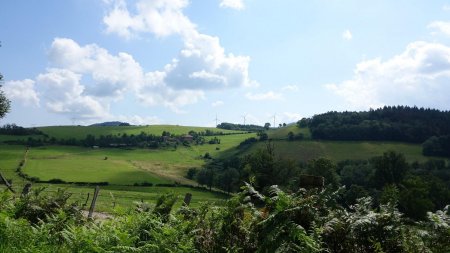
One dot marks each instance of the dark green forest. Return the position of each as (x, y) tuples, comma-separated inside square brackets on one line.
[(390, 123)]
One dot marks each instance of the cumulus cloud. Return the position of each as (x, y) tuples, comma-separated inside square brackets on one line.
[(440, 27), (347, 35), (92, 75), (22, 91), (63, 93), (419, 76), (270, 95), (201, 65), (217, 103), (112, 75), (160, 17), (233, 4)]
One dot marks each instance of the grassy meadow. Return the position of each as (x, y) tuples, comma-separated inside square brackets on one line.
[(123, 166), (341, 150)]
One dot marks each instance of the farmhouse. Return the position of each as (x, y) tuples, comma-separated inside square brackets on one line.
[(187, 137)]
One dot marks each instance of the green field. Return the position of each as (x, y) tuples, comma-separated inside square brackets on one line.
[(123, 166), (341, 150), (10, 156)]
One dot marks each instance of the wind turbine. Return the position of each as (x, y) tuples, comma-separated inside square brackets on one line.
[(244, 116), (274, 117), (216, 119)]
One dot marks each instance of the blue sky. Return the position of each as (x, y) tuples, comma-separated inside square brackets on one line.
[(184, 62)]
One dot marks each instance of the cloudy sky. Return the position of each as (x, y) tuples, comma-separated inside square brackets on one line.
[(184, 62)]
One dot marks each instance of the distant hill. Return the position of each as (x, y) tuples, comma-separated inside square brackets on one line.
[(112, 123)]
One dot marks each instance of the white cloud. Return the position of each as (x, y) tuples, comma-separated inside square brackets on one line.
[(202, 64), (347, 35), (233, 4), (22, 91), (217, 103), (63, 94), (291, 88), (419, 76), (270, 95), (111, 75), (160, 17), (154, 91), (440, 27), (446, 7)]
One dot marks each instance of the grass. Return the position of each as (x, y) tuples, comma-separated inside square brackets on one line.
[(126, 197), (341, 150), (10, 156)]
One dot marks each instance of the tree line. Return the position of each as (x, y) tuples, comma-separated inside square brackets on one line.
[(240, 127), (141, 140), (13, 129)]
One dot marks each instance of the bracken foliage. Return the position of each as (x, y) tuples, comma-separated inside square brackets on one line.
[(302, 221)]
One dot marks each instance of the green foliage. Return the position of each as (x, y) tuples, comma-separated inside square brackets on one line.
[(437, 146), (5, 104), (303, 221), (324, 168), (390, 168)]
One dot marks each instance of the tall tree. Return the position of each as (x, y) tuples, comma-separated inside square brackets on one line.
[(5, 104)]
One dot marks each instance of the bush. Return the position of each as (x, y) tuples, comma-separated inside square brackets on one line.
[(56, 181)]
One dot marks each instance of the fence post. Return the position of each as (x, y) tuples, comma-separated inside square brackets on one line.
[(87, 199), (187, 199), (94, 199), (7, 183)]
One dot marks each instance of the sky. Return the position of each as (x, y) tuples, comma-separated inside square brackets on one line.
[(194, 62)]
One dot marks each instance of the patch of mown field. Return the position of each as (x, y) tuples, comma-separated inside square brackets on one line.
[(282, 132), (80, 132), (341, 150)]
